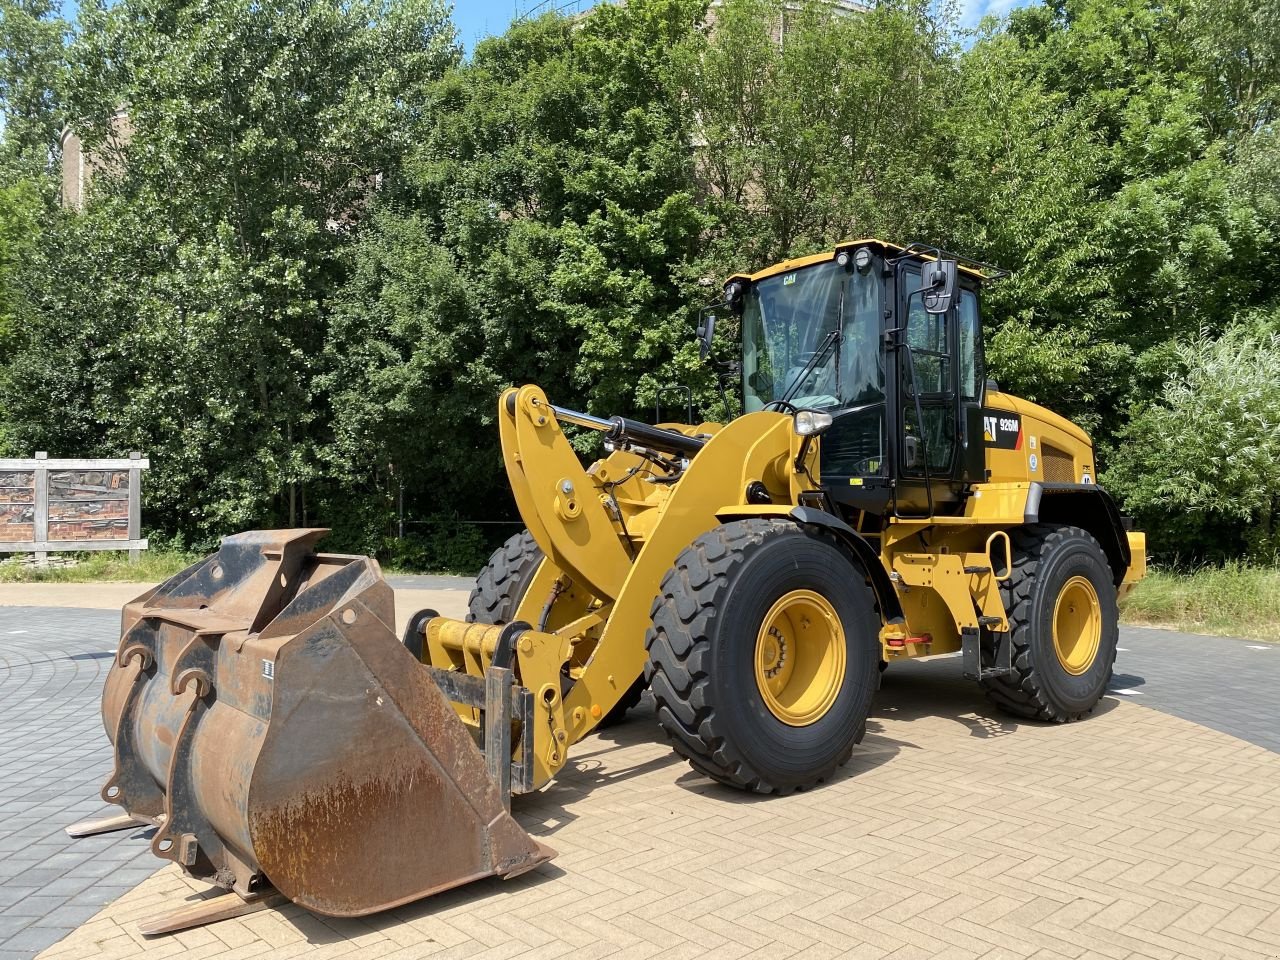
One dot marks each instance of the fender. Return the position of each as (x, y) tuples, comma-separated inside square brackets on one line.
[(1088, 506), (886, 595), (863, 553)]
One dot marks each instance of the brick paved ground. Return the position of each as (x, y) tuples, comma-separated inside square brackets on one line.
[(954, 833), (53, 759), (1115, 824)]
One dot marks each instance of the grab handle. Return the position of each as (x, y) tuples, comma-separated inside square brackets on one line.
[(1008, 553)]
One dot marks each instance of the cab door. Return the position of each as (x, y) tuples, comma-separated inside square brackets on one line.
[(972, 377), (938, 388), (928, 407)]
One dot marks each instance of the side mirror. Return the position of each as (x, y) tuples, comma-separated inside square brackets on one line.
[(706, 332), (938, 285)]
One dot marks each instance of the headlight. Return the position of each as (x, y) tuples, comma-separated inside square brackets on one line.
[(810, 423)]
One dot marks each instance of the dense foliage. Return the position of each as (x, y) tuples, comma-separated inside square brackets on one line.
[(317, 242)]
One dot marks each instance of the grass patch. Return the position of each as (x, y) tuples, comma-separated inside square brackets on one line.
[(104, 566), (1236, 600)]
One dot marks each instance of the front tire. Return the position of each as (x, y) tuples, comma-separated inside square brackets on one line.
[(763, 655), (505, 579), (1064, 621)]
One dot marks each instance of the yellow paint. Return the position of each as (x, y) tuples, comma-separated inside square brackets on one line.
[(1041, 428), (1077, 625), (800, 658), (786, 266), (999, 503), (758, 444), (538, 667), (1137, 563), (577, 534), (595, 631)]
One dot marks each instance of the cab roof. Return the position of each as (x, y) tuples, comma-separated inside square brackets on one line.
[(979, 271)]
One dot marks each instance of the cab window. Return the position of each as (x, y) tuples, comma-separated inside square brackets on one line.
[(970, 330)]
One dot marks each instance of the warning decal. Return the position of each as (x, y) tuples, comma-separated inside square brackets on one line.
[(1002, 429)]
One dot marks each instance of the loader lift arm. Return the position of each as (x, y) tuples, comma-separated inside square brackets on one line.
[(585, 545)]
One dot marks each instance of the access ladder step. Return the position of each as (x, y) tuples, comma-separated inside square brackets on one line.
[(971, 655)]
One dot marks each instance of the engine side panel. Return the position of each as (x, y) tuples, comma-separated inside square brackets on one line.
[(1024, 441)]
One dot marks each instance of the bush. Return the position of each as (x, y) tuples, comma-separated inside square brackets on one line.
[(1235, 599), (1200, 465), (443, 545), (153, 566)]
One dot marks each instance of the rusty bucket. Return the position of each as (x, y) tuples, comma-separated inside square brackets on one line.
[(268, 722)]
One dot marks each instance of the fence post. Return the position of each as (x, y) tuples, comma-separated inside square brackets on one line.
[(135, 507), (41, 498)]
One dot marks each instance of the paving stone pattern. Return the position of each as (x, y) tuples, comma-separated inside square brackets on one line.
[(1227, 684), (54, 757), (955, 832), (417, 581)]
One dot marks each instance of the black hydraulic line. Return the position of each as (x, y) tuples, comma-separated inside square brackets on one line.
[(654, 438), (622, 430)]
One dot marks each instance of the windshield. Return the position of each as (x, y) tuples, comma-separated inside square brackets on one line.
[(786, 320)]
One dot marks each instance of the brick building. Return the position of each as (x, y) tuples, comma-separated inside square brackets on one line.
[(79, 166)]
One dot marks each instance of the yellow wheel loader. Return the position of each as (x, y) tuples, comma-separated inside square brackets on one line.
[(878, 500)]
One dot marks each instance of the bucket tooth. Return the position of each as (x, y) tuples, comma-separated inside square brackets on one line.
[(267, 720)]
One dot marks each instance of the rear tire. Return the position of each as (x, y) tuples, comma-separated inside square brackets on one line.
[(718, 645), (1064, 621)]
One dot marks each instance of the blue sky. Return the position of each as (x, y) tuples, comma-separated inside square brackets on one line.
[(477, 19), (481, 18)]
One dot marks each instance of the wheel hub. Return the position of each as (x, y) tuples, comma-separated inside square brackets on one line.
[(1077, 625), (800, 657), (773, 655)]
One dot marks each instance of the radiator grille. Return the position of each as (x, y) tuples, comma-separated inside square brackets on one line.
[(1059, 466)]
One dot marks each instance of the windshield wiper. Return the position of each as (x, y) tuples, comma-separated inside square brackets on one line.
[(819, 355)]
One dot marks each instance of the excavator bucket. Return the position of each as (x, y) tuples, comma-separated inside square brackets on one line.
[(268, 722)]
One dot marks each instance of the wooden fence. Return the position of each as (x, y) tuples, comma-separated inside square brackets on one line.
[(49, 506)]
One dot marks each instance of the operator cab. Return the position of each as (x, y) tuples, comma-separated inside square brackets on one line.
[(888, 341)]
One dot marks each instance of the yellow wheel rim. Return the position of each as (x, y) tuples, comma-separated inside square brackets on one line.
[(1077, 625), (800, 658)]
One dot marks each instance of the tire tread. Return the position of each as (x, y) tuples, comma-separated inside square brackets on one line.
[(679, 651), (501, 585), (1022, 693)]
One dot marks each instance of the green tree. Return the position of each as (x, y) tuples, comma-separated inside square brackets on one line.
[(541, 233), (1094, 152), (815, 126), (20, 216), (184, 311), (32, 34), (319, 244)]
